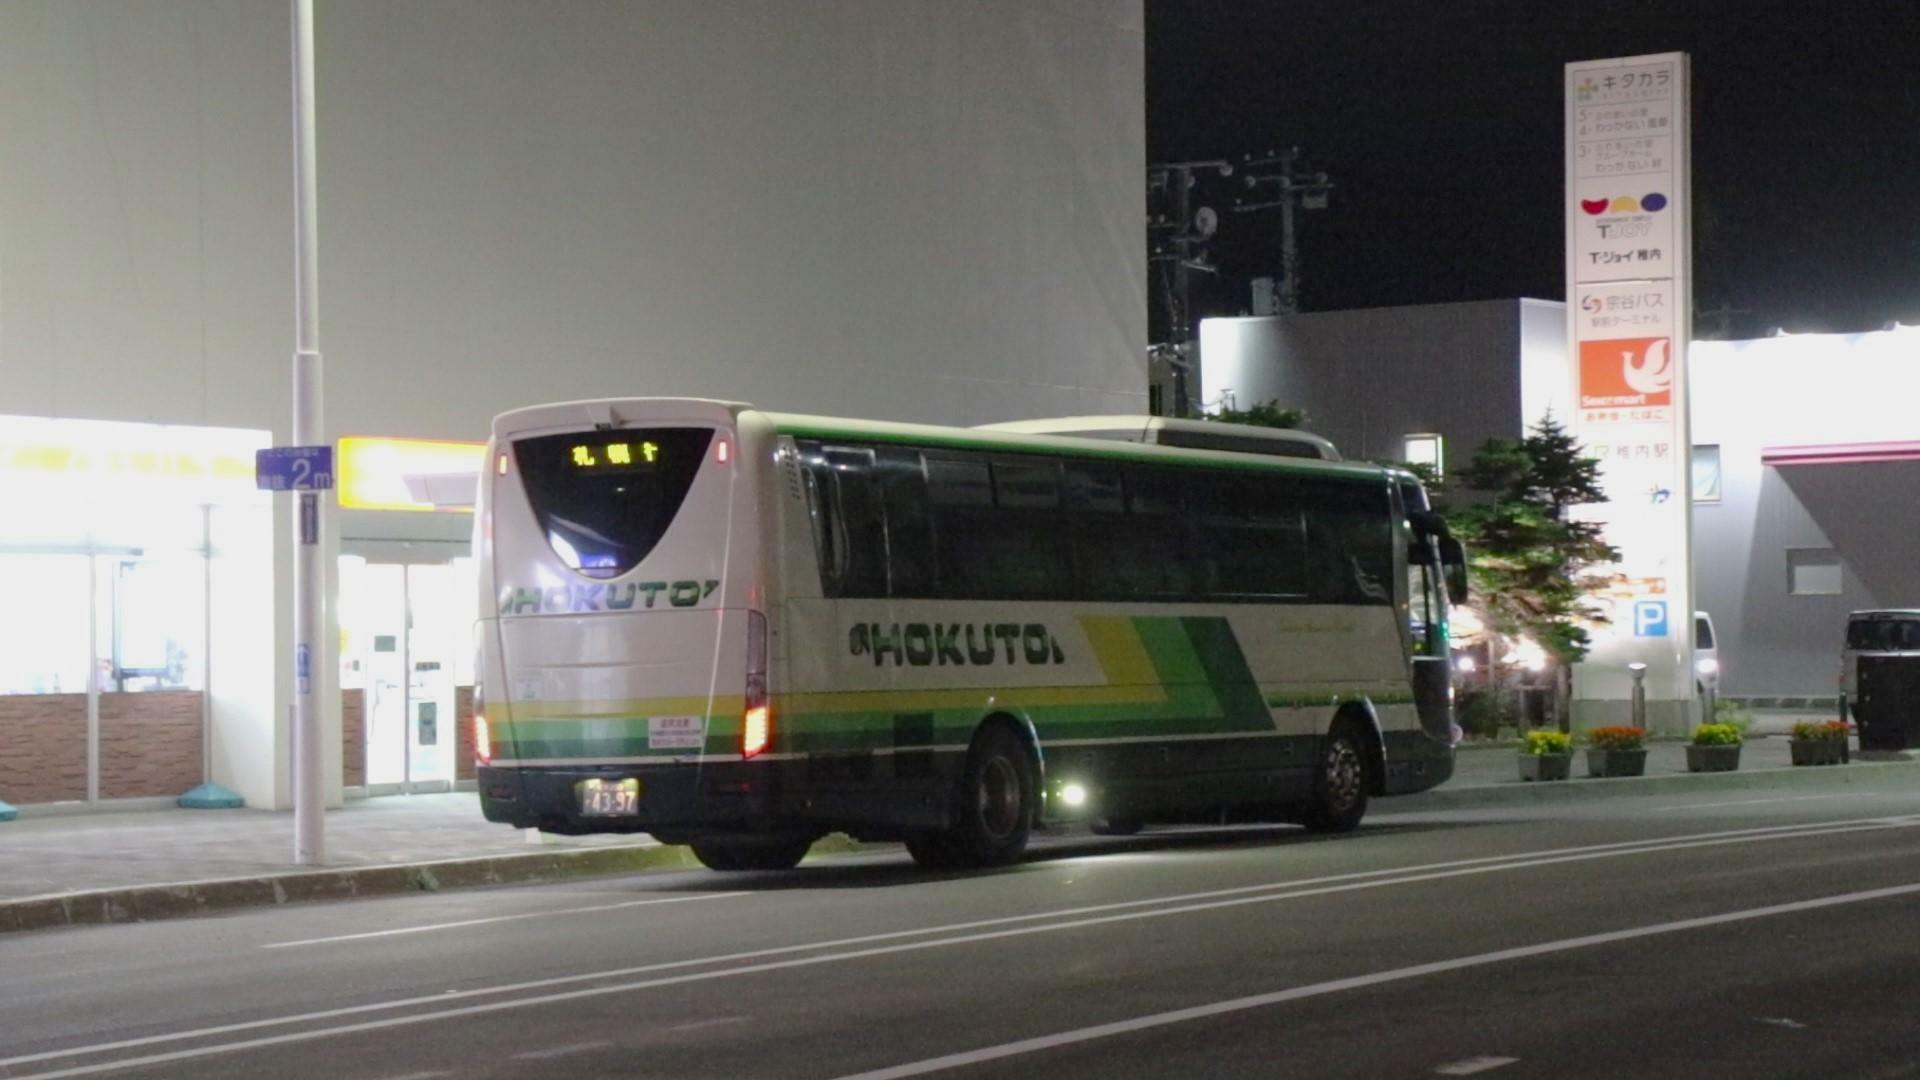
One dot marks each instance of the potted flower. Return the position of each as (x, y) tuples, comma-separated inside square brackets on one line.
[(1819, 742), (1546, 755), (1617, 751), (1715, 748)]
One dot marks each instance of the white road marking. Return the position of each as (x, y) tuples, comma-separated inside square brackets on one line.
[(1781, 1021), (1763, 802), (1359, 982), (1474, 1065), (693, 1024), (497, 919), (562, 1051), (1233, 897)]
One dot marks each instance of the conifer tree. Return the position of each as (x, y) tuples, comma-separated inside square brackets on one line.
[(1534, 565)]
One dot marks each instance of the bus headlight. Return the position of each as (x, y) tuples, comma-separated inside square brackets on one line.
[(1707, 665)]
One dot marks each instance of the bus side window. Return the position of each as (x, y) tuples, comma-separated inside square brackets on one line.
[(1351, 541), (1250, 536), (903, 492), (849, 534), (1148, 557)]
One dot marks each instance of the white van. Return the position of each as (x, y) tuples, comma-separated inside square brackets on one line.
[(1706, 655)]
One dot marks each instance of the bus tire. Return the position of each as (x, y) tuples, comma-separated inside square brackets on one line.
[(993, 804), (728, 855), (1118, 825), (1339, 783)]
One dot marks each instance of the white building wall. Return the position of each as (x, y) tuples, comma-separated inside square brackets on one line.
[(1802, 390), (1367, 379), (908, 209)]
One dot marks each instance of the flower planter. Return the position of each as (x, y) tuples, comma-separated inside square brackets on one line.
[(1817, 751), (1616, 762), (1721, 758), (1546, 766)]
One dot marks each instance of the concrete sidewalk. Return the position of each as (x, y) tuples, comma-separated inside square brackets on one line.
[(72, 852), (132, 865)]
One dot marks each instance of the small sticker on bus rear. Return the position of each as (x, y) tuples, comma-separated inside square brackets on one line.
[(675, 732)]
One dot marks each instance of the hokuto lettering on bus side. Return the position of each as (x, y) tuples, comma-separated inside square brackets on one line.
[(571, 599), (955, 644)]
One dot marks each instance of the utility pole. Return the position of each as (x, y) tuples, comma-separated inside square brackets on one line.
[(1286, 189), (1175, 239)]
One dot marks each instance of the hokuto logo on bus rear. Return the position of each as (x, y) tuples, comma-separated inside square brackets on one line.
[(962, 644), (570, 599)]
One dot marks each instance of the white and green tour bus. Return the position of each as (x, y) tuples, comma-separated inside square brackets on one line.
[(743, 630)]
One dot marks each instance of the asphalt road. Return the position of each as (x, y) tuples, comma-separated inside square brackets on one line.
[(1658, 936)]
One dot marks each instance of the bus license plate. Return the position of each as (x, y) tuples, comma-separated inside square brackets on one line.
[(609, 798)]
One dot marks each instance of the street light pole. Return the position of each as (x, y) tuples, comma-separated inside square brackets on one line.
[(309, 821)]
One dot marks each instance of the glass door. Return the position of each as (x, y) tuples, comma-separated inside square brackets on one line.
[(406, 631)]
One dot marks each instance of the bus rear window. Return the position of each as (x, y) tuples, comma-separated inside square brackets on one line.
[(605, 498)]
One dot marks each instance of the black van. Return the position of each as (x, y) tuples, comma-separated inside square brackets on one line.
[(1880, 682)]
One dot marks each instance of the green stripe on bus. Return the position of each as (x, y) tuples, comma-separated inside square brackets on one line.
[(1227, 672)]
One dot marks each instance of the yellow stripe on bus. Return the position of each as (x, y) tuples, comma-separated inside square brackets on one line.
[(1123, 657)]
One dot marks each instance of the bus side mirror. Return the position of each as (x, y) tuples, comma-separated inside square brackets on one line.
[(1453, 558)]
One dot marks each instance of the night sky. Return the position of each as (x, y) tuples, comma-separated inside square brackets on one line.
[(1441, 126)]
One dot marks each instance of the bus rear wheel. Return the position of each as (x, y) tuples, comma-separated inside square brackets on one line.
[(1339, 784), (750, 855)]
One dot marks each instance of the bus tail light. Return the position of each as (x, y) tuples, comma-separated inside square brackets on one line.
[(482, 738), (756, 718)]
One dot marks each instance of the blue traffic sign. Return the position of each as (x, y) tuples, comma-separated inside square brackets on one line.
[(293, 468)]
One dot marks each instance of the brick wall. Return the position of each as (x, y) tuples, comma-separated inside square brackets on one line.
[(149, 743), (353, 737), (463, 733), (43, 747)]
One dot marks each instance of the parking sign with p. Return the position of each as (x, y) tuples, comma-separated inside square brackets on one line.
[(1649, 618)]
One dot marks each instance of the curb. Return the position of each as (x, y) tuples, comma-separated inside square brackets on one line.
[(1582, 789), (146, 903)]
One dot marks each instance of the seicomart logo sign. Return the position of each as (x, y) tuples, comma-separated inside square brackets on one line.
[(1626, 373)]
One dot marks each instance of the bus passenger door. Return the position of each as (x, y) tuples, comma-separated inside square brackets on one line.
[(1431, 649)]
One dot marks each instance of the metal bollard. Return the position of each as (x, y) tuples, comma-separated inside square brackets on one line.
[(1639, 694)]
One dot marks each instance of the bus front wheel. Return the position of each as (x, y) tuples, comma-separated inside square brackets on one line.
[(993, 806), (1339, 784), (739, 855)]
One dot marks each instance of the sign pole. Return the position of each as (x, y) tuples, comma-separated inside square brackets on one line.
[(309, 806)]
